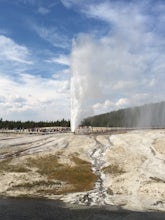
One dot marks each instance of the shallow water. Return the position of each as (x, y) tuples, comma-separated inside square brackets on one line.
[(31, 209)]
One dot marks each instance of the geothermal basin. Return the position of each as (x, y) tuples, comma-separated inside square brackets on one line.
[(123, 169)]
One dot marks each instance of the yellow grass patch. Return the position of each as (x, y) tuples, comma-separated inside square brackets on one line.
[(80, 176), (6, 166)]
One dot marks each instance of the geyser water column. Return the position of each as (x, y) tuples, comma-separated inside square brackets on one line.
[(84, 84), (79, 85)]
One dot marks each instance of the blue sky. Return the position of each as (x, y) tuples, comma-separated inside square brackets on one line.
[(126, 40)]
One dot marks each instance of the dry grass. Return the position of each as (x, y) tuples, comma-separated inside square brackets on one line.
[(6, 166), (113, 169), (77, 178), (37, 184), (80, 177), (79, 161), (45, 165), (38, 188), (56, 191)]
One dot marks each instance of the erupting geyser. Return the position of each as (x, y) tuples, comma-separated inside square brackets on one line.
[(79, 84), (110, 73), (84, 85)]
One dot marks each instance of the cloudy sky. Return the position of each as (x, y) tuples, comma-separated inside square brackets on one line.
[(118, 46)]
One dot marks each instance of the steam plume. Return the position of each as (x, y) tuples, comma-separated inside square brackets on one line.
[(123, 68), (85, 88)]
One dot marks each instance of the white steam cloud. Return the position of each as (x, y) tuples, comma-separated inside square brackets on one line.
[(84, 86), (124, 68)]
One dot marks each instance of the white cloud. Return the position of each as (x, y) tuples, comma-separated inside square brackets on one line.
[(41, 7), (61, 59), (11, 51), (30, 2), (43, 10), (121, 84), (70, 3), (63, 75), (34, 98), (52, 35), (102, 107), (108, 106), (122, 102), (30, 97)]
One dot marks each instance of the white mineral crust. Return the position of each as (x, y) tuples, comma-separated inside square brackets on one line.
[(139, 157)]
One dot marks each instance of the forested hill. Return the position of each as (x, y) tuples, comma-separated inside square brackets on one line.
[(5, 124), (149, 115)]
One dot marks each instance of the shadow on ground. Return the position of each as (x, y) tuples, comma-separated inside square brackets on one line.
[(30, 209)]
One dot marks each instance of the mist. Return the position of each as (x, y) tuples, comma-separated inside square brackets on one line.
[(152, 116), (85, 87), (122, 68)]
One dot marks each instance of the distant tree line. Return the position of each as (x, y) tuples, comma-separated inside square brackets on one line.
[(149, 115), (5, 124)]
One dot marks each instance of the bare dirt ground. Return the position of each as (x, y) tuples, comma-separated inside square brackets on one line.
[(125, 170)]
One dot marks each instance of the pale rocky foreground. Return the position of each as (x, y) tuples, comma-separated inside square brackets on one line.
[(125, 170)]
